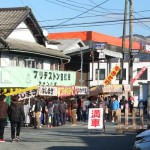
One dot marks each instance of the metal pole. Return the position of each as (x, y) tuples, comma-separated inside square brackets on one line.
[(130, 45), (123, 42), (81, 67)]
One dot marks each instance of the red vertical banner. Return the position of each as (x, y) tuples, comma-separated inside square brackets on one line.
[(95, 120)]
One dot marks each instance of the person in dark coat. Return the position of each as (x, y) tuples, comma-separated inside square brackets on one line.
[(16, 116), (3, 116)]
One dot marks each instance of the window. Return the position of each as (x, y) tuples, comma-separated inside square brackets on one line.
[(39, 64), (144, 74), (96, 74), (21, 62), (54, 65), (13, 61), (123, 73), (100, 73)]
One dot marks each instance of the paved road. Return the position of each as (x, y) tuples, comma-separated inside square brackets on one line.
[(69, 138)]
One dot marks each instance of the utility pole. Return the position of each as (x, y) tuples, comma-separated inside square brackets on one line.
[(81, 78), (123, 42), (130, 44)]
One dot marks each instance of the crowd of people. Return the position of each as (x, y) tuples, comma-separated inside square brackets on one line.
[(54, 111)]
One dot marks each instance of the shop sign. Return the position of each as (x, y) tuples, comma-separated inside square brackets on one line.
[(19, 91), (112, 88), (138, 75), (28, 94), (65, 91), (111, 75), (27, 77), (47, 91), (95, 120), (81, 90)]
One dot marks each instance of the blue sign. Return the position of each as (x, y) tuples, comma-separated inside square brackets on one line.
[(100, 46)]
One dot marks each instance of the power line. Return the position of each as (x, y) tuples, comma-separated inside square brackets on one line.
[(93, 25), (66, 6), (108, 21), (142, 22), (104, 15), (82, 13), (90, 16), (85, 23)]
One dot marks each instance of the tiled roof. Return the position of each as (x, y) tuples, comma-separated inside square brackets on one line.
[(29, 47), (10, 18), (68, 44)]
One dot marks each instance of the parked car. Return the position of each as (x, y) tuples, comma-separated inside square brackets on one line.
[(142, 141)]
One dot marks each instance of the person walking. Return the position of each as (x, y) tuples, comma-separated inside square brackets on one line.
[(37, 112), (114, 107), (3, 116), (16, 116)]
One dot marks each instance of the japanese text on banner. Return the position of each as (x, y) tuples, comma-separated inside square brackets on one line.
[(95, 118)]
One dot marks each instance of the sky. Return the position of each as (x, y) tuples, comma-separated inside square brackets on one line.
[(103, 16)]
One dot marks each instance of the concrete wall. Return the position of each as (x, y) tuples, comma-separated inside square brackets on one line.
[(22, 33)]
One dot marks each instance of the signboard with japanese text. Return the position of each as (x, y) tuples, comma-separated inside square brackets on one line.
[(138, 75), (65, 91), (28, 94), (81, 90), (111, 75), (95, 120), (95, 90), (19, 91), (47, 91), (27, 77), (113, 88)]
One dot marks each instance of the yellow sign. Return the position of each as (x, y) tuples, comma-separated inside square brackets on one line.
[(21, 91), (112, 74)]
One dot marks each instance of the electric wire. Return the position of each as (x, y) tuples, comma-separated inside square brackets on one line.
[(82, 13)]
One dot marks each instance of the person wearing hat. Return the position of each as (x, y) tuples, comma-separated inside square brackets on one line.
[(16, 116), (3, 116)]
